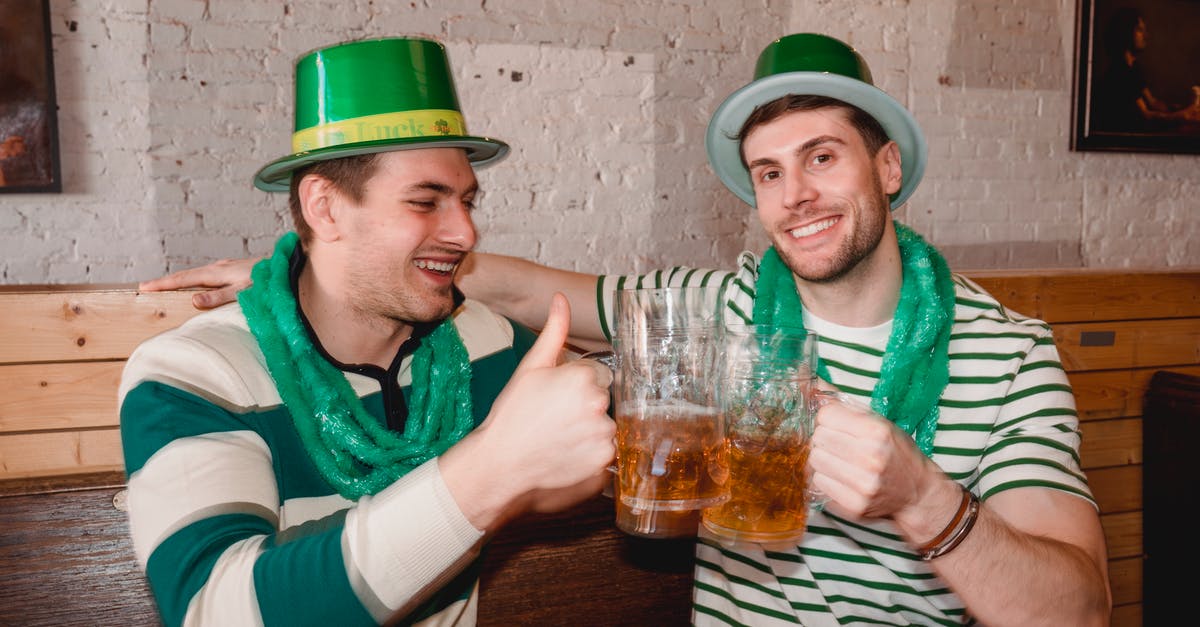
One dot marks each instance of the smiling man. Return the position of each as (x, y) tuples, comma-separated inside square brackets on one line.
[(957, 497), (334, 448)]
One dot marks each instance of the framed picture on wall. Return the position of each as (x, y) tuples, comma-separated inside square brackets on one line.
[(28, 117), (1137, 76)]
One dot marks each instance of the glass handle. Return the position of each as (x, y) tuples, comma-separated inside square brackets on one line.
[(608, 358)]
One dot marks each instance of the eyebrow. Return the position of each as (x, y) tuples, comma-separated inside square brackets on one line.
[(440, 188), (805, 147)]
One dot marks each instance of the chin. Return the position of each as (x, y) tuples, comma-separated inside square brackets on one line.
[(432, 311), (831, 270)]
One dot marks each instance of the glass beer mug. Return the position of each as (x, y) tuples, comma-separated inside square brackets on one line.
[(672, 454), (768, 400)]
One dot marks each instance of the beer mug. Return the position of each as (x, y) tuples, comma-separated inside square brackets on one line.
[(671, 448), (769, 399)]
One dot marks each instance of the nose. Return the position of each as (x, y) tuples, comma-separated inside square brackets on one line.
[(458, 228), (798, 189)]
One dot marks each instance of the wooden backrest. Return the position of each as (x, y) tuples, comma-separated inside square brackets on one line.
[(62, 349), (1114, 330), (61, 353)]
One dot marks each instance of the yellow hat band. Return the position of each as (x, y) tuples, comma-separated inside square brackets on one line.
[(405, 124)]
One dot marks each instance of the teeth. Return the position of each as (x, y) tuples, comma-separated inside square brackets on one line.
[(813, 228), (439, 266)]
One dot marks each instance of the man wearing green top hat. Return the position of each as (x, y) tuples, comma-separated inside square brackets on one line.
[(335, 447), (957, 498)]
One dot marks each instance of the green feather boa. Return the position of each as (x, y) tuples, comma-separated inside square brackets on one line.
[(352, 450), (916, 366)]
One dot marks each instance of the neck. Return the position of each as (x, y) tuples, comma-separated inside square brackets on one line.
[(866, 295), (349, 334)]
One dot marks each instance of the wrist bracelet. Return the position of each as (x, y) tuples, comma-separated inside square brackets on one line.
[(937, 540), (953, 534)]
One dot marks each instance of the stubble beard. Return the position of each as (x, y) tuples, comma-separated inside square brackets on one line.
[(385, 298), (852, 251)]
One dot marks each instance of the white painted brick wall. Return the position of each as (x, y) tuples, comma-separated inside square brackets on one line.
[(166, 109)]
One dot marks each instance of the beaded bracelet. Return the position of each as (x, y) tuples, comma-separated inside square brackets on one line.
[(953, 534)]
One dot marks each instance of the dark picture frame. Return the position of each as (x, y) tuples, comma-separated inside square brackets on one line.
[(29, 158), (1137, 84)]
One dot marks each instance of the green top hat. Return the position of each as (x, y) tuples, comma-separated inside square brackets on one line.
[(375, 95), (811, 64)]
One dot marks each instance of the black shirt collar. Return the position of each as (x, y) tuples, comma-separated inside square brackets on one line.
[(394, 403)]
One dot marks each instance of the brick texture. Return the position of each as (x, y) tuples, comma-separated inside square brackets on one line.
[(166, 109)]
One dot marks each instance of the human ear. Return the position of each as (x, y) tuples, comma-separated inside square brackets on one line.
[(890, 172), (318, 198)]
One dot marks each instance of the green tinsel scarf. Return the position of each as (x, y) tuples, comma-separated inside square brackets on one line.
[(916, 366), (352, 450)]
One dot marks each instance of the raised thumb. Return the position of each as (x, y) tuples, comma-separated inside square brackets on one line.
[(546, 352)]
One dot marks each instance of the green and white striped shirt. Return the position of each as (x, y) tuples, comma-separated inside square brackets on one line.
[(1007, 420), (234, 524)]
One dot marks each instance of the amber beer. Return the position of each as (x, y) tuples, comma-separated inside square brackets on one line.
[(671, 456), (656, 523), (767, 398), (768, 492)]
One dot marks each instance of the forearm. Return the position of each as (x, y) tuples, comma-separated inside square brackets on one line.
[(410, 540), (1037, 556), (1029, 580), (521, 290), (1007, 576), (391, 552)]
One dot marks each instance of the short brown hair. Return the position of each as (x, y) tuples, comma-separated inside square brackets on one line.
[(868, 127), (349, 175)]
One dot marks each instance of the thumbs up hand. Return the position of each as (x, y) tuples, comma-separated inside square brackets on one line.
[(547, 441)]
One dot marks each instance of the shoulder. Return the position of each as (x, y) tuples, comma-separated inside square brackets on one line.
[(483, 331), (740, 288), (974, 304), (985, 328), (748, 261), (213, 355)]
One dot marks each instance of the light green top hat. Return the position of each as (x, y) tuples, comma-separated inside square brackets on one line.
[(811, 64), (375, 95)]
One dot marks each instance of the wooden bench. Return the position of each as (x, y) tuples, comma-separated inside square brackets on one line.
[(65, 555)]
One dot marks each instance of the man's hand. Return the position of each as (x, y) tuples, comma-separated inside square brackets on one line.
[(226, 277), (548, 440), (867, 466)]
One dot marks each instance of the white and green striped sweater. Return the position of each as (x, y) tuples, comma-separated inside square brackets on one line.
[(232, 521), (1007, 420)]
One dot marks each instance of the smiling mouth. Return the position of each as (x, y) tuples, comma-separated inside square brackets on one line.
[(813, 229), (441, 267)]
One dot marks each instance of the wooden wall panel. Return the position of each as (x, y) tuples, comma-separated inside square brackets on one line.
[(70, 395), (52, 453), (1065, 295), (1129, 615), (1145, 344), (1125, 579), (1108, 295), (1115, 393), (1117, 488), (1111, 442), (1123, 534), (63, 324)]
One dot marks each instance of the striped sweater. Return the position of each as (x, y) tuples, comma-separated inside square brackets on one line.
[(1007, 420), (233, 523)]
